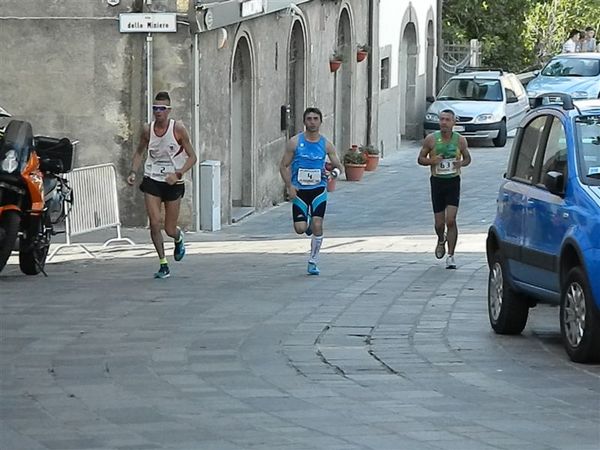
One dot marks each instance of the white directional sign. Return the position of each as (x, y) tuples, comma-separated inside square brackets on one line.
[(148, 23)]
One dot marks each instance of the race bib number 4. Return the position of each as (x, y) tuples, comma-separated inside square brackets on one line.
[(446, 167), (309, 177)]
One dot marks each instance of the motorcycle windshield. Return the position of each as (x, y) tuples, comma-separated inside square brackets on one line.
[(16, 144)]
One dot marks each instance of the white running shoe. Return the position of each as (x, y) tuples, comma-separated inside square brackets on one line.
[(450, 263)]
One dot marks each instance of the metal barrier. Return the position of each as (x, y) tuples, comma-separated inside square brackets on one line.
[(95, 205)]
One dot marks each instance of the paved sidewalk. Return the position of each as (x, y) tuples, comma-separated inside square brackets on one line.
[(241, 350)]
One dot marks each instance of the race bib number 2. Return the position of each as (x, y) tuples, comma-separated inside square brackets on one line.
[(446, 167), (161, 169), (309, 177)]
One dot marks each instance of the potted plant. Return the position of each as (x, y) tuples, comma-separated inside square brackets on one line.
[(336, 61), (372, 154), (354, 165), (362, 52)]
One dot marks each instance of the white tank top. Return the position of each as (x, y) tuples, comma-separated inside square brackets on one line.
[(165, 155)]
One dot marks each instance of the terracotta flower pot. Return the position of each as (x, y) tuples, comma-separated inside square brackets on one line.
[(354, 172), (372, 162), (361, 55), (334, 65)]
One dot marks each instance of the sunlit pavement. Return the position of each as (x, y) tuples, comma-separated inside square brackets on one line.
[(241, 349)]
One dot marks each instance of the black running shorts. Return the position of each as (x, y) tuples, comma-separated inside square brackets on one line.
[(165, 191), (444, 192), (311, 202)]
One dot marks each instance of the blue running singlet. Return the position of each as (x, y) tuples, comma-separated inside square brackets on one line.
[(308, 165)]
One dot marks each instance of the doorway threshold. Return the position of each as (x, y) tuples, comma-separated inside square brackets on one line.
[(239, 213)]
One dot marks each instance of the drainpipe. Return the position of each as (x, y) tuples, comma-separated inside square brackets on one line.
[(371, 40), (196, 133), (149, 64), (440, 47)]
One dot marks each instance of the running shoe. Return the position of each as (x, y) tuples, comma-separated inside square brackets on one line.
[(450, 264), (440, 249), (163, 272), (179, 251), (313, 269)]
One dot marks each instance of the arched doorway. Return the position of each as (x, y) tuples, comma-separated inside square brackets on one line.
[(430, 72), (241, 127), (408, 77), (342, 112), (296, 78)]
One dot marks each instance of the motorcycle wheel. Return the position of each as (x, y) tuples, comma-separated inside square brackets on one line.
[(9, 228), (34, 246)]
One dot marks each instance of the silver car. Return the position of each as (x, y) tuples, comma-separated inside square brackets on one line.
[(576, 74), (488, 104)]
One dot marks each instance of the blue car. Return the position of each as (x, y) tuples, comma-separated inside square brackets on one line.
[(544, 244), (576, 74)]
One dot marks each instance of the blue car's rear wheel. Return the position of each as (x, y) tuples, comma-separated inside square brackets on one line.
[(579, 322), (507, 313)]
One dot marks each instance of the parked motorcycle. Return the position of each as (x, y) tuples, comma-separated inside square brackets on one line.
[(34, 197)]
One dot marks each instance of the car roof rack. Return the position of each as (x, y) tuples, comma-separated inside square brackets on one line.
[(548, 99), (479, 69)]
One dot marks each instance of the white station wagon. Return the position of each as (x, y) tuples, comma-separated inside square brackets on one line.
[(488, 104)]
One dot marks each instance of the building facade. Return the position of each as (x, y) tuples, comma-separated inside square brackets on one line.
[(240, 73), (408, 61)]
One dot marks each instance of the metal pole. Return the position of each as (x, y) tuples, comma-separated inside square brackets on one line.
[(196, 134), (149, 86)]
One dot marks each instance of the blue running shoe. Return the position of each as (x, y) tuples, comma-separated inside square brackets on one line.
[(313, 269), (179, 251), (163, 272), (308, 231)]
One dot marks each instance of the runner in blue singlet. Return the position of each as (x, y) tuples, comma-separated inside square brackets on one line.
[(303, 170)]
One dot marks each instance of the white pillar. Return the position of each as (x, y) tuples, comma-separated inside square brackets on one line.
[(210, 195)]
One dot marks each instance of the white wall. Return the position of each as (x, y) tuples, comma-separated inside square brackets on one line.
[(401, 107), (391, 13)]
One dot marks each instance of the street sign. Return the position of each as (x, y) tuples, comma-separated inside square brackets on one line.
[(148, 23)]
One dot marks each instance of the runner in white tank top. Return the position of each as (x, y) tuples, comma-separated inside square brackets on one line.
[(169, 154), (165, 155)]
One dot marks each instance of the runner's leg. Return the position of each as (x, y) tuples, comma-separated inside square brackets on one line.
[(440, 225), (300, 215), (318, 206), (316, 240), (153, 209), (171, 218), (451, 212)]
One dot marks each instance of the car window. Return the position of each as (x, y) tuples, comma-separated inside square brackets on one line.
[(588, 148), (555, 155), (572, 67), (478, 89), (510, 93), (516, 85), (528, 149)]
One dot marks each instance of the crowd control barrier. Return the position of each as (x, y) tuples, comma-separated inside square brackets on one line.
[(95, 205)]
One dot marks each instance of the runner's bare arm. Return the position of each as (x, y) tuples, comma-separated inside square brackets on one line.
[(183, 138), (424, 158), (333, 157), (139, 153), (286, 161), (464, 151)]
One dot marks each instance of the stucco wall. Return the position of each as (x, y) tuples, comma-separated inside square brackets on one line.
[(71, 72), (394, 17)]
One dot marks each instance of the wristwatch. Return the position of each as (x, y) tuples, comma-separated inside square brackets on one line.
[(179, 175)]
